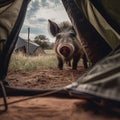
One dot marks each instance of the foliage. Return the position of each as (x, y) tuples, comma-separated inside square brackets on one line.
[(43, 41), (41, 38)]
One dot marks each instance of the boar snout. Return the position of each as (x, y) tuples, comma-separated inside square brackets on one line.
[(65, 50)]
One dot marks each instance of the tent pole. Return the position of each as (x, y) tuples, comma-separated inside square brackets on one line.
[(28, 41)]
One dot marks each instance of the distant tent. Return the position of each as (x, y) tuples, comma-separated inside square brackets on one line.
[(22, 46)]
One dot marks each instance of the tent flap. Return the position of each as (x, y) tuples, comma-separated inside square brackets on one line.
[(8, 16), (102, 80), (12, 15)]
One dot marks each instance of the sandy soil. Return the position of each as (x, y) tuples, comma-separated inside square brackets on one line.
[(47, 78), (53, 109), (50, 108)]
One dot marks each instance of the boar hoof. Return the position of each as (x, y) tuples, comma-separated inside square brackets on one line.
[(74, 68), (60, 68)]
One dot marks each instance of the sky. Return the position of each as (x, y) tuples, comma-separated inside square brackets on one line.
[(37, 15)]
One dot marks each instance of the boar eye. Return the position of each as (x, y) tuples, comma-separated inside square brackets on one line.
[(72, 35), (58, 36)]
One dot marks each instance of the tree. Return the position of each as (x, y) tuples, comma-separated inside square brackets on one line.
[(42, 40)]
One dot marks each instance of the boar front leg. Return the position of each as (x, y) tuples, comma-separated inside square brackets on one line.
[(60, 63), (75, 62), (85, 61)]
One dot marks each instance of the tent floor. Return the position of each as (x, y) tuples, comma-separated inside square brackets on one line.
[(51, 108)]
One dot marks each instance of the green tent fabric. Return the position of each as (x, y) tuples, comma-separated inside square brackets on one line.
[(12, 13), (96, 18), (8, 16), (110, 8)]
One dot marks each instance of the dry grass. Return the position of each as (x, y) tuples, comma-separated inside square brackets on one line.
[(30, 63)]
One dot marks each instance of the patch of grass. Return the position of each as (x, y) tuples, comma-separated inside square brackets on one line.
[(30, 63)]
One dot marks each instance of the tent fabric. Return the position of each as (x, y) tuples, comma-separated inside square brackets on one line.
[(8, 17), (98, 21), (110, 11), (24, 43), (12, 13), (5, 2), (102, 80), (93, 43)]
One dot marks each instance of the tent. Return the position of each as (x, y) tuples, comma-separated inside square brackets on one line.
[(97, 23), (22, 45)]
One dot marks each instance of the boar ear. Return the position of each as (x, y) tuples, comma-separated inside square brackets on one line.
[(53, 27)]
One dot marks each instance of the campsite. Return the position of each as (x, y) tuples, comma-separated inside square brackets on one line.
[(78, 78)]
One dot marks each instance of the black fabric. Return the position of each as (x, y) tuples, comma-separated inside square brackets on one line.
[(5, 2)]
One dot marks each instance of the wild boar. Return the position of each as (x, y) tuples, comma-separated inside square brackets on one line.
[(67, 46)]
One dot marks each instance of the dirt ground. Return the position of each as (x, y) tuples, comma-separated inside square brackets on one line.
[(49, 108), (46, 78)]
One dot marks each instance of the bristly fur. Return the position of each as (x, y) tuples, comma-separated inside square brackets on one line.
[(67, 46), (65, 26)]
